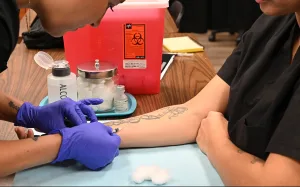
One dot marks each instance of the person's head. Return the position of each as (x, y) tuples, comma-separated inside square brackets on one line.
[(61, 16), (279, 7)]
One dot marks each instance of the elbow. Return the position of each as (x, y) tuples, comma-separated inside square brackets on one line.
[(263, 181), (3, 173), (280, 178), (5, 169), (240, 182), (250, 179), (280, 182)]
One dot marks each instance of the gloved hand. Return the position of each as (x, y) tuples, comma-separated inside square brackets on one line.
[(51, 117), (94, 145)]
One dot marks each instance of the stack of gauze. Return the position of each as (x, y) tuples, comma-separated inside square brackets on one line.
[(155, 174), (97, 88)]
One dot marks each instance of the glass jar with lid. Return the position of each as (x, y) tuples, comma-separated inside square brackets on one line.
[(97, 80)]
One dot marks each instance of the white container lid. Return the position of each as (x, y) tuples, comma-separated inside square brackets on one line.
[(45, 61), (141, 4)]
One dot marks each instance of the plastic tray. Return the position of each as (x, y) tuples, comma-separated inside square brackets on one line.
[(131, 101)]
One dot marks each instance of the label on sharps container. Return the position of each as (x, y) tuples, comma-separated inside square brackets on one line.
[(134, 64), (134, 46)]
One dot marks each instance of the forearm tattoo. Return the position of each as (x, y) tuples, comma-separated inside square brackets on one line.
[(13, 106), (254, 160), (171, 112)]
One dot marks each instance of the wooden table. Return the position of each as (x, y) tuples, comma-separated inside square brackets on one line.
[(27, 81)]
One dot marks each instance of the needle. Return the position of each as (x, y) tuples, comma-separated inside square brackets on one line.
[(116, 130)]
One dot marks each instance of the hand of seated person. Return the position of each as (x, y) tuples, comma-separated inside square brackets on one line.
[(24, 133), (213, 132)]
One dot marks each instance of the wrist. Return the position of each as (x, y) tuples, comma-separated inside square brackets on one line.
[(25, 115), (217, 147), (57, 141), (64, 151), (11, 113)]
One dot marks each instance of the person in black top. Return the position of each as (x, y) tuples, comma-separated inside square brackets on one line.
[(61, 143), (247, 118)]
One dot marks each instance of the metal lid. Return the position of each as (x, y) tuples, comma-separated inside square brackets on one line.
[(97, 70)]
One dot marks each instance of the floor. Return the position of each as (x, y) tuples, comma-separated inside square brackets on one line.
[(219, 50)]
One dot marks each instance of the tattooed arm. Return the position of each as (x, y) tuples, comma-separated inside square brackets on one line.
[(18, 155), (239, 168), (173, 125), (9, 107), (167, 126), (27, 153), (236, 167)]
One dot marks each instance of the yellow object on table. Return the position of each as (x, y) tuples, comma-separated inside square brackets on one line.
[(182, 44)]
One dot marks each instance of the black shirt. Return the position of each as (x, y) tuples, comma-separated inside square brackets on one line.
[(264, 103), (9, 30)]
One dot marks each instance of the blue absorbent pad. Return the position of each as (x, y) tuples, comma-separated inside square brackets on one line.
[(186, 164)]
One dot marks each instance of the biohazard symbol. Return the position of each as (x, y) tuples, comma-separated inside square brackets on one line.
[(137, 39)]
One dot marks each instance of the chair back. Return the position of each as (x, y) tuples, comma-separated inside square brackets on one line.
[(176, 10)]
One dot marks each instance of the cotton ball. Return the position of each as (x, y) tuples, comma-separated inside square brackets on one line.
[(152, 170), (160, 177), (140, 174), (142, 169), (138, 177), (82, 82), (155, 174), (86, 93), (93, 86)]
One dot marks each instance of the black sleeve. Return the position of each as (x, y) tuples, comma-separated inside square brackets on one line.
[(286, 138), (5, 47), (230, 67)]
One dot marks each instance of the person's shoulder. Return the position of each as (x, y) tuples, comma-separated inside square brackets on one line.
[(272, 23)]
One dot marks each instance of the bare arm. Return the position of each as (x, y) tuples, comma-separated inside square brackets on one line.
[(238, 168), (9, 107), (175, 124), (27, 153)]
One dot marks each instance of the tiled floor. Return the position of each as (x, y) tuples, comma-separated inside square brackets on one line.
[(219, 50)]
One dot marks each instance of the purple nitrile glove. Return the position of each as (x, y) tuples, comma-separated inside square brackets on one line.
[(94, 145), (51, 117)]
